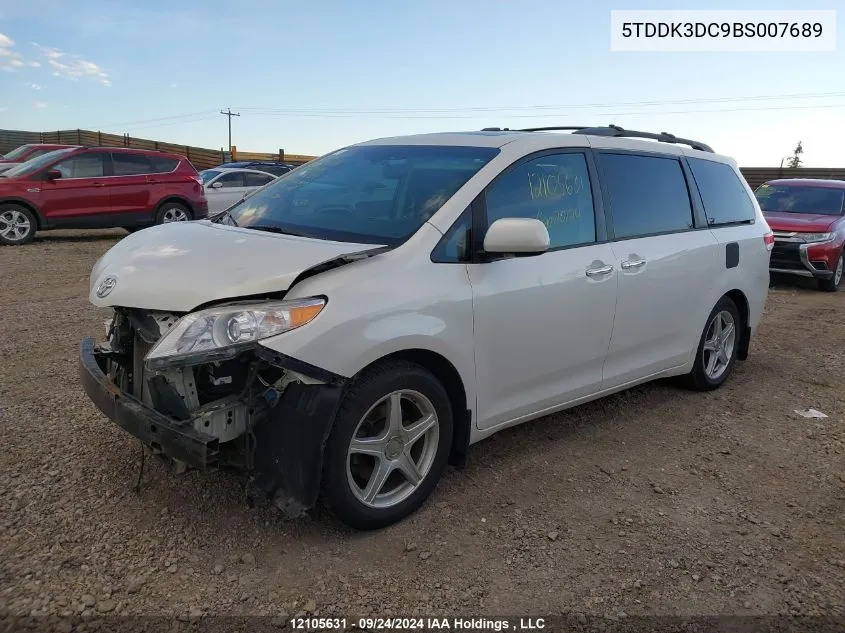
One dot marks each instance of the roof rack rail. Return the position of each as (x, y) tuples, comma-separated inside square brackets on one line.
[(614, 131), (663, 137)]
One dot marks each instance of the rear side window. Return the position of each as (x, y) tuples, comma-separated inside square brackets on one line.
[(647, 194), (276, 170), (163, 164), (130, 164), (554, 189), (257, 180), (725, 199)]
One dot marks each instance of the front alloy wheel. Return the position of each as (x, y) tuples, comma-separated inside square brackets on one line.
[(389, 445), (832, 284), (17, 224), (393, 449)]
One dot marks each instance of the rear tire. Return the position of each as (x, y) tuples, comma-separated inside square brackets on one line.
[(173, 212), (717, 348), (832, 284), (17, 224), (376, 473)]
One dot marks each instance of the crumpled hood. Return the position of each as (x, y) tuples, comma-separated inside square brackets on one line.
[(802, 222), (179, 266)]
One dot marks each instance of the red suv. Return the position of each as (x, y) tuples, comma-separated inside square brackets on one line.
[(26, 152), (98, 187), (807, 217)]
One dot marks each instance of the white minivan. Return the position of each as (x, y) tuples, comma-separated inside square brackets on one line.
[(387, 305)]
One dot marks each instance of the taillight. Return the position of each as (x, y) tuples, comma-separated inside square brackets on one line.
[(769, 240)]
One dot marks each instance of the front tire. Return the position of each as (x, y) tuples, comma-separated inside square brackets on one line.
[(832, 284), (17, 224), (389, 445), (172, 212), (717, 348)]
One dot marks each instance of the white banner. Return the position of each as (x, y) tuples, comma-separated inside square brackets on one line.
[(723, 30)]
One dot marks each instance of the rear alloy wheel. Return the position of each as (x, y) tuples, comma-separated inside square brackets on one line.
[(388, 447), (172, 212), (832, 284), (17, 224), (717, 348)]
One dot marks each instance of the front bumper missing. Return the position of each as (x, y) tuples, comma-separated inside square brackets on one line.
[(285, 442), (177, 439)]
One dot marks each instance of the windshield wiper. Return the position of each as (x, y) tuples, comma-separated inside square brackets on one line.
[(277, 229)]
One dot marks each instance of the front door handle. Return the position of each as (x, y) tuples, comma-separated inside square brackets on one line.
[(633, 263), (99, 184), (598, 272)]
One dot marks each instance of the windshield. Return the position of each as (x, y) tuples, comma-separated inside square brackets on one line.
[(370, 194), (17, 152), (208, 174), (31, 166), (801, 199)]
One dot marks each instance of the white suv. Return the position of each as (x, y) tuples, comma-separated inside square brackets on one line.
[(350, 329)]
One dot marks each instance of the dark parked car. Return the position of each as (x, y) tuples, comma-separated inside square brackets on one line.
[(269, 166), (98, 187), (808, 219)]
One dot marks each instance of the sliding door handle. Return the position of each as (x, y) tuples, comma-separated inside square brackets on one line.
[(633, 263), (598, 272)]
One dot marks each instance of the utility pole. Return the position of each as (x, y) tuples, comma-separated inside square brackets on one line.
[(230, 114)]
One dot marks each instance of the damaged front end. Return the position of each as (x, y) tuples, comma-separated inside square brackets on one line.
[(244, 407)]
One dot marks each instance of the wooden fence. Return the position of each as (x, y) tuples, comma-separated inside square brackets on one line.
[(200, 157), (203, 158)]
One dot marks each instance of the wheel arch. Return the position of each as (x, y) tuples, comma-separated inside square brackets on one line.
[(39, 221), (448, 375), (178, 199), (741, 302)]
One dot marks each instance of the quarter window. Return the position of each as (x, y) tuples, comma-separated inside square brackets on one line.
[(647, 194), (162, 164), (455, 247), (554, 189), (723, 194), (82, 166)]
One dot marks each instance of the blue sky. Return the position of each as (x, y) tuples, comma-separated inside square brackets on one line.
[(310, 77)]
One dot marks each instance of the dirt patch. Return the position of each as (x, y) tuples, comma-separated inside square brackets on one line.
[(655, 501)]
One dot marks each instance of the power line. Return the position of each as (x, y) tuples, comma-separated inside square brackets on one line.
[(400, 110), (230, 114), (539, 116), (187, 122), (164, 118)]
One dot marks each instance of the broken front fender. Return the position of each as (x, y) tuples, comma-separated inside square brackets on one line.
[(290, 439)]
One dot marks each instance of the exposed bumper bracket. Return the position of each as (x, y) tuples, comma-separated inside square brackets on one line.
[(177, 439)]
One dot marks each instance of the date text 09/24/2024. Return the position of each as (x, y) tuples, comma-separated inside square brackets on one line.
[(416, 624)]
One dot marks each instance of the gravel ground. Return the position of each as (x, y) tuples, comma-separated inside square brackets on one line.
[(655, 501)]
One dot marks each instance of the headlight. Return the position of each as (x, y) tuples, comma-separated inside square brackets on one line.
[(815, 237), (221, 332)]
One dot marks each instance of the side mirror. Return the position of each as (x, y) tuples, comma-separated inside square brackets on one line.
[(53, 174), (216, 185), (518, 236)]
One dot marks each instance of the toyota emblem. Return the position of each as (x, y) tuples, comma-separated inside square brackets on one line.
[(106, 286)]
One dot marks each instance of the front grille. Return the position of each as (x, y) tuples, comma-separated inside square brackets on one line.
[(786, 256)]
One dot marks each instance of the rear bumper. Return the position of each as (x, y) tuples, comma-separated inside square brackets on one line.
[(176, 439), (803, 260)]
